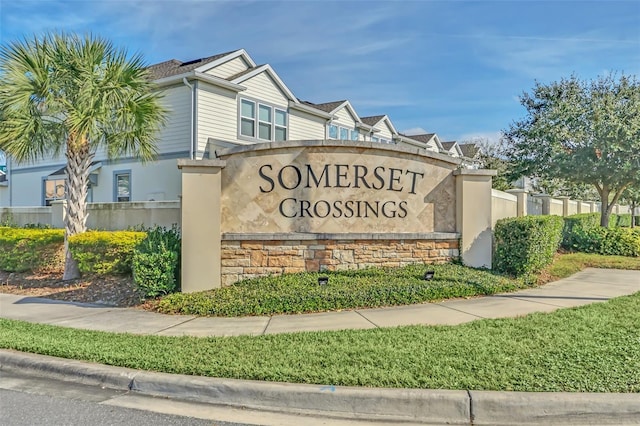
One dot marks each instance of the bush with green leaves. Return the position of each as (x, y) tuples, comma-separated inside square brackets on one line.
[(609, 241), (577, 224), (623, 220), (525, 245), (365, 288), (105, 252), (31, 249), (156, 262)]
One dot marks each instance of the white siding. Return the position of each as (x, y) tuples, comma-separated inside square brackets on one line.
[(229, 68), (305, 126), (175, 135), (344, 118), (26, 188), (158, 180), (4, 196), (261, 87), (385, 131), (217, 114), (49, 160)]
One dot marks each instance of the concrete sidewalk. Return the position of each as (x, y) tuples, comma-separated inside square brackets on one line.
[(329, 404), (589, 286)]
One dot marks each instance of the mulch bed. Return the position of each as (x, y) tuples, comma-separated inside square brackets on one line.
[(108, 290)]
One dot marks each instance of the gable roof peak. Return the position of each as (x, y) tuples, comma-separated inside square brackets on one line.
[(175, 67)]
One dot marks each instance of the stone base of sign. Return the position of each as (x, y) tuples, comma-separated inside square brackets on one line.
[(252, 255)]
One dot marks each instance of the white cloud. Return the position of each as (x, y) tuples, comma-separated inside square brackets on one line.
[(548, 57), (492, 138), (414, 131)]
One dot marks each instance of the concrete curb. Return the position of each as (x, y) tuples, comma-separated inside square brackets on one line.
[(555, 408), (372, 404)]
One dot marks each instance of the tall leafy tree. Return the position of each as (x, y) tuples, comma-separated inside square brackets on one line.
[(68, 94), (583, 132)]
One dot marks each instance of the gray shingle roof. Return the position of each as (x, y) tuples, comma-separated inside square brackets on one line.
[(372, 119), (326, 107), (425, 138), (448, 145), (175, 67), (469, 150)]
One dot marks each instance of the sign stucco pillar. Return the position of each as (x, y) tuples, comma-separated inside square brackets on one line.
[(201, 238), (473, 216)]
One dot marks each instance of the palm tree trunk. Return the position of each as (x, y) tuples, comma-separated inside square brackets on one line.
[(75, 221)]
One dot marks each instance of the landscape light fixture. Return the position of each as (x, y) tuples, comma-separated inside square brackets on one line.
[(323, 280), (428, 276)]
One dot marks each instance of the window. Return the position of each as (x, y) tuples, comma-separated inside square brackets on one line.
[(333, 131), (281, 125), (247, 118), (54, 189), (122, 186), (264, 127), (270, 124), (355, 135), (375, 139), (344, 133)]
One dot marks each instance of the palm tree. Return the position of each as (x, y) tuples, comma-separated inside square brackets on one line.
[(67, 94)]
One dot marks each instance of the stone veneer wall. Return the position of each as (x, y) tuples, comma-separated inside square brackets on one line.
[(250, 258)]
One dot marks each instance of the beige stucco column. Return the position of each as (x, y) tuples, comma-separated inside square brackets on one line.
[(201, 239), (546, 202), (473, 216), (565, 205), (521, 195), (58, 213)]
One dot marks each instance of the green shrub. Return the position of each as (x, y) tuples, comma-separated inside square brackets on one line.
[(525, 245), (609, 241), (621, 220), (578, 223), (31, 249), (366, 288), (156, 262), (104, 252)]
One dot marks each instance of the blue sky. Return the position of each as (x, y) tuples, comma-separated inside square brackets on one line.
[(455, 68)]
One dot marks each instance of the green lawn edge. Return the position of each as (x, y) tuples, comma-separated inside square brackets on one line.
[(593, 348), (370, 288)]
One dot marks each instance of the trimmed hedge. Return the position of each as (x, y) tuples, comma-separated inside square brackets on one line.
[(608, 241), (577, 224), (103, 252), (35, 249), (24, 250), (525, 245), (365, 288), (621, 220)]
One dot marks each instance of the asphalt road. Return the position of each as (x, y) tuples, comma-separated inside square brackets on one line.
[(28, 400), (34, 401)]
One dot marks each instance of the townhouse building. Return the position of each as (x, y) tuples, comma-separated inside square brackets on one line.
[(216, 102)]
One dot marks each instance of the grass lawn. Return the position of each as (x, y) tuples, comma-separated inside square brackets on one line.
[(594, 348), (368, 288)]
